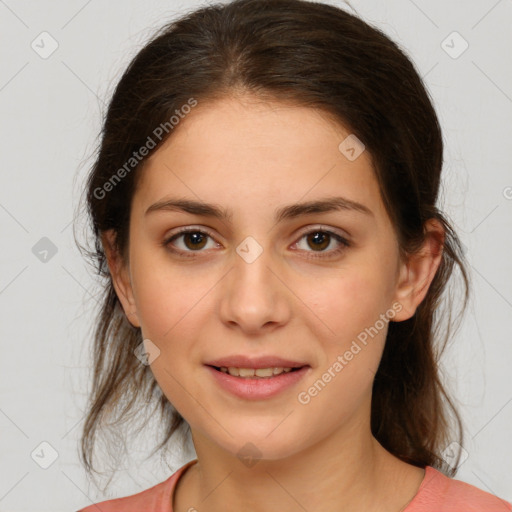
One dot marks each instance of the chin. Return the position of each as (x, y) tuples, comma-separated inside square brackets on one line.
[(270, 446)]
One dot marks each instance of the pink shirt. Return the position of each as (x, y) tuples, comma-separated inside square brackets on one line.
[(437, 493)]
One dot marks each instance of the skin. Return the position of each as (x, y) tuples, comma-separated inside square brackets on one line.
[(253, 157)]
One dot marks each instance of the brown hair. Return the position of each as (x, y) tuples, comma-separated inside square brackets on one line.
[(313, 55)]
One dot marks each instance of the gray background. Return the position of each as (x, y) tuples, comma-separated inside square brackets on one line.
[(50, 111)]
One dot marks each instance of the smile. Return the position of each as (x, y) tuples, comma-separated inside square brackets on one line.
[(263, 373), (256, 383)]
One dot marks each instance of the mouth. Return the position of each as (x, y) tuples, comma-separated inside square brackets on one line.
[(246, 384), (256, 373)]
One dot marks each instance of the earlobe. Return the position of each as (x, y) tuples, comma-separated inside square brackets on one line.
[(416, 274), (120, 276)]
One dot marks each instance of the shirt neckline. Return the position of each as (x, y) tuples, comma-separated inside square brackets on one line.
[(430, 473)]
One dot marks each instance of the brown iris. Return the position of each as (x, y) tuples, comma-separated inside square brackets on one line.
[(196, 237), (315, 235)]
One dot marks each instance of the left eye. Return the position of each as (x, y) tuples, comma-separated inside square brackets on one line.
[(194, 240), (322, 239)]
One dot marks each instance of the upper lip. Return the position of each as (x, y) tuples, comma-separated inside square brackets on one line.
[(240, 361)]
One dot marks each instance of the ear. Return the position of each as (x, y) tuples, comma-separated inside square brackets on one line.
[(120, 274), (416, 274)]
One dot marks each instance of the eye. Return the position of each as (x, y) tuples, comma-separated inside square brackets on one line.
[(193, 239), (321, 239)]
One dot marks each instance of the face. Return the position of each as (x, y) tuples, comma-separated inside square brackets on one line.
[(317, 288)]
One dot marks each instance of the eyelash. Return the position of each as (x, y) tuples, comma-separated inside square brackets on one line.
[(190, 254)]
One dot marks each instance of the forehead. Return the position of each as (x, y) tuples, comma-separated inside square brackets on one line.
[(254, 153), (247, 125)]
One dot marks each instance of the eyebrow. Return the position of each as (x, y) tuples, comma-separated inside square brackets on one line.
[(324, 205)]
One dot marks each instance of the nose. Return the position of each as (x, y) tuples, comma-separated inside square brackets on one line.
[(254, 296)]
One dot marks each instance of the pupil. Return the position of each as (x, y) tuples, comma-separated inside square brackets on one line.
[(195, 237), (323, 236)]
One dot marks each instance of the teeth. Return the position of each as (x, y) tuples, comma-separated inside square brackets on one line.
[(251, 372)]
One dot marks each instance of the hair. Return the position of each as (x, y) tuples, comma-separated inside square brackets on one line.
[(305, 54)]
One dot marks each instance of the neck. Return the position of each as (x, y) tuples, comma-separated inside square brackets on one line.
[(348, 471)]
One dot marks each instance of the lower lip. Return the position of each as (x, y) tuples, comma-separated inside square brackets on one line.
[(257, 388)]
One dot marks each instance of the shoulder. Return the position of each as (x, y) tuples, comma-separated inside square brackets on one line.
[(155, 499), (440, 493)]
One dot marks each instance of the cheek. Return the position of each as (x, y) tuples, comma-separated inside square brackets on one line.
[(352, 307), (164, 294), (355, 308), (169, 305), (348, 302)]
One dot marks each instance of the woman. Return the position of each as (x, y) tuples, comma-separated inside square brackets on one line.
[(264, 210)]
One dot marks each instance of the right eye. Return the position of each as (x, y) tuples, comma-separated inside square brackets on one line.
[(193, 240)]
